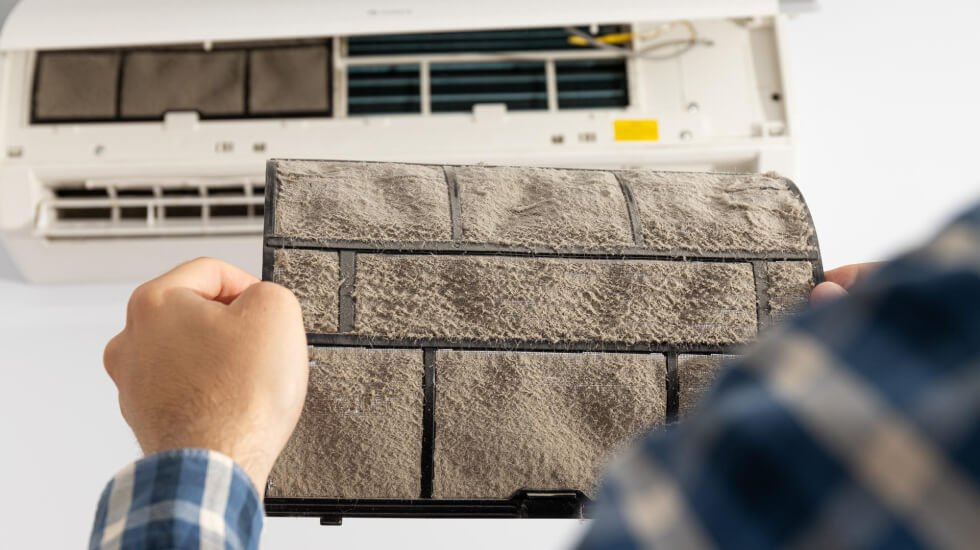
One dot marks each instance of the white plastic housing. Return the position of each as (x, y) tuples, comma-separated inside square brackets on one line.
[(720, 107)]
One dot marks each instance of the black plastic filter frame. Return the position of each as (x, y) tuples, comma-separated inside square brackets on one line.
[(524, 503)]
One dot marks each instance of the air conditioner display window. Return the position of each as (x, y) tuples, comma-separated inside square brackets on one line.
[(146, 84)]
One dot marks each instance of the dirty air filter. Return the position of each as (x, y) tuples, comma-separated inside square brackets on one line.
[(256, 80), (484, 338)]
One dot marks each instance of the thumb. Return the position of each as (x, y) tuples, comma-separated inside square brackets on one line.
[(826, 292)]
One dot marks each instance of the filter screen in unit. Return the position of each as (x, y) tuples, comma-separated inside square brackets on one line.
[(76, 86), (291, 79)]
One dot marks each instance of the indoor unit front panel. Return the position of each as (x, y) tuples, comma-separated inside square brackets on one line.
[(150, 143)]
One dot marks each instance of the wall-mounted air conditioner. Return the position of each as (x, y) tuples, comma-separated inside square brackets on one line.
[(134, 133)]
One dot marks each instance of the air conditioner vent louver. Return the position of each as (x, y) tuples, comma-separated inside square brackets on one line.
[(459, 86), (453, 72), (591, 83), (82, 194), (383, 89), (554, 38), (156, 208)]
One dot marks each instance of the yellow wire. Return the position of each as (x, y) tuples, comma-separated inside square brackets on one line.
[(615, 38), (625, 37)]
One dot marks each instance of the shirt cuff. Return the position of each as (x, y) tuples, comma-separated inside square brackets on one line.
[(182, 498)]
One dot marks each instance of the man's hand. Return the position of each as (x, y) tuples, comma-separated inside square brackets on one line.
[(212, 358), (837, 282)]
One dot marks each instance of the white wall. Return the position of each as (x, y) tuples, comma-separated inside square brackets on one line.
[(889, 106)]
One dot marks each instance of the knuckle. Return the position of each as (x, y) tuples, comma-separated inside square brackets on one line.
[(275, 294), (136, 301), (266, 289), (205, 261), (146, 296), (271, 291), (110, 356), (196, 265), (140, 295)]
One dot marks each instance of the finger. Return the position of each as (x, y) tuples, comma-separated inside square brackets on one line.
[(826, 292), (209, 278), (849, 275), (268, 296)]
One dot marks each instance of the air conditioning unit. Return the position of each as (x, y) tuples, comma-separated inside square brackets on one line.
[(135, 133)]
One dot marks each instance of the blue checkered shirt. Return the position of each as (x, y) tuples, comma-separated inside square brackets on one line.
[(185, 498), (855, 426)]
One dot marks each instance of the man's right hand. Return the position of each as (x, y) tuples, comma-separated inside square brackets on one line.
[(212, 358)]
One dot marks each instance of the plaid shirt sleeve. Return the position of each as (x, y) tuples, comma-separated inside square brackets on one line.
[(184, 498), (856, 425)]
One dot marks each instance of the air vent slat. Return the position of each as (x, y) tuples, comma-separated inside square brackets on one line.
[(546, 32), (592, 83), (229, 211), (133, 213), (121, 193), (590, 77), (490, 79), (80, 193), (372, 82), (539, 32), (394, 99), (85, 214), (197, 207), (459, 46), (593, 94), (460, 86), (554, 38), (598, 81), (383, 89)]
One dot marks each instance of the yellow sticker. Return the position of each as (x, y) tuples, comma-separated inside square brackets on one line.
[(636, 129)]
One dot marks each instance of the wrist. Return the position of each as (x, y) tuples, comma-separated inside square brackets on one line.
[(255, 474), (168, 483), (254, 465)]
